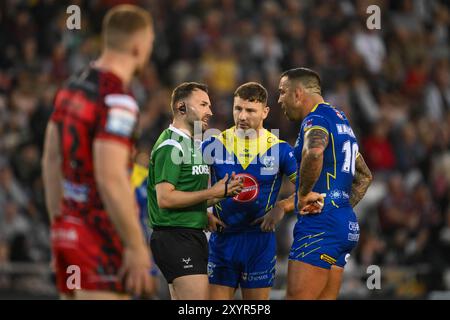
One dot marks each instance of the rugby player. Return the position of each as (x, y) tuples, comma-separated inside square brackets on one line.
[(98, 246), (331, 171), (241, 254)]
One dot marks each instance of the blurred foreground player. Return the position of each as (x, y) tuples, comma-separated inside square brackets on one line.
[(98, 246), (330, 171), (139, 181)]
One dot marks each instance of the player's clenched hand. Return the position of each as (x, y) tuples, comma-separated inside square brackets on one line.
[(135, 271), (311, 203), (214, 222), (270, 220), (227, 187)]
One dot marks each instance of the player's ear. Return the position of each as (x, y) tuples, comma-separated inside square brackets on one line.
[(135, 50), (298, 93), (266, 112), (182, 107)]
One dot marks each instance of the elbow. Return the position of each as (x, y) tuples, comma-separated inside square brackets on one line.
[(369, 177), (162, 201), (314, 153)]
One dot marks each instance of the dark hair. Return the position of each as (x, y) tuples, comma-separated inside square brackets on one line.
[(184, 90), (307, 77), (122, 21), (252, 91)]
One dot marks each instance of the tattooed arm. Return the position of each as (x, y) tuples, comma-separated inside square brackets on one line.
[(361, 181), (316, 140)]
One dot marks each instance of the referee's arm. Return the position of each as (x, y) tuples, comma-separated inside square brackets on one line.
[(170, 198)]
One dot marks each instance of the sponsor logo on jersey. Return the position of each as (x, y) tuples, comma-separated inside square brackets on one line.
[(200, 169), (69, 235), (339, 114), (308, 124), (347, 257), (353, 237), (210, 269), (335, 194), (120, 122), (258, 277), (270, 165), (75, 192), (268, 161), (353, 226), (122, 116), (250, 190), (186, 262)]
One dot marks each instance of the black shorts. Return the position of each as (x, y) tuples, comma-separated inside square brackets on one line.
[(179, 251)]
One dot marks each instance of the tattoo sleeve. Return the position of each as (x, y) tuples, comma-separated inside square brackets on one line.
[(361, 181), (316, 140)]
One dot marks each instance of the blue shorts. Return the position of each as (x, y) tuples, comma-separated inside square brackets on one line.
[(245, 259), (325, 239)]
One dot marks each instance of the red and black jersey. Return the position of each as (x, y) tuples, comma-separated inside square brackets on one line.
[(92, 105)]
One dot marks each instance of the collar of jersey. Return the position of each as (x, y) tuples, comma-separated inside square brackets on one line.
[(318, 104), (179, 132), (237, 146)]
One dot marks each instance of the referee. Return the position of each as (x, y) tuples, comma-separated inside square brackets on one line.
[(178, 196)]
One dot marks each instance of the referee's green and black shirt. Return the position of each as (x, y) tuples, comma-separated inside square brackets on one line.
[(177, 160)]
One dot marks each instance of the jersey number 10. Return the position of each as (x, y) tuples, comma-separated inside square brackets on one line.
[(350, 150)]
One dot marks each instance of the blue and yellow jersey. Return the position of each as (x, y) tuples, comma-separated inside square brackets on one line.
[(139, 185), (339, 157), (260, 163)]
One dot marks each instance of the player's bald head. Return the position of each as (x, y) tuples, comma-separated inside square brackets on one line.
[(305, 77)]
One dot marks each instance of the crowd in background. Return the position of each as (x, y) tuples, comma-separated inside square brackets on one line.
[(393, 84)]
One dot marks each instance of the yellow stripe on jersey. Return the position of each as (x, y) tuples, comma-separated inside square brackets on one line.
[(315, 107), (334, 158), (270, 194), (317, 127), (293, 177), (138, 175)]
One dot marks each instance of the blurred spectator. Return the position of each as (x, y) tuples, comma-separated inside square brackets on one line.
[(378, 150), (13, 225), (10, 190), (370, 45), (437, 93)]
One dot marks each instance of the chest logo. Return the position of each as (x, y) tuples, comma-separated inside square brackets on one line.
[(250, 190)]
